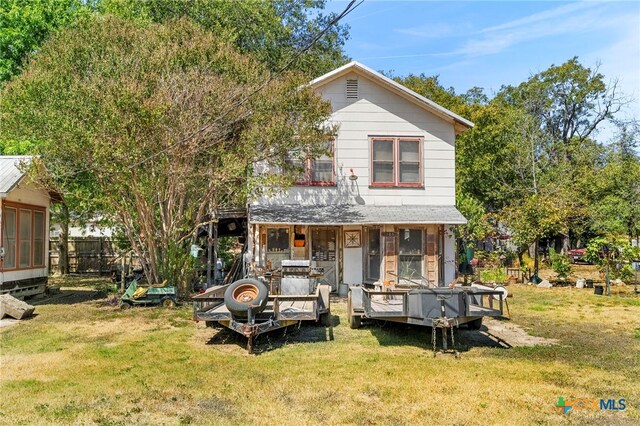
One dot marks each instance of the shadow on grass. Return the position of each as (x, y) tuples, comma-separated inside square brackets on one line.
[(398, 334), (303, 332), (69, 297)]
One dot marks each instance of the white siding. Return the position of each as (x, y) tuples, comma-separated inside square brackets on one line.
[(380, 112)]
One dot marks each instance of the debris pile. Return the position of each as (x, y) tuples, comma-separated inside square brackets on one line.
[(15, 308)]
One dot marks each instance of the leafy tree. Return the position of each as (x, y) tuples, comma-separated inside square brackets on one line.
[(569, 100), (615, 189), (478, 226), (164, 122), (614, 254), (273, 31), (26, 24)]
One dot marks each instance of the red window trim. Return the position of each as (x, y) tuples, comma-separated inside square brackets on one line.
[(33, 209), (308, 170), (396, 162)]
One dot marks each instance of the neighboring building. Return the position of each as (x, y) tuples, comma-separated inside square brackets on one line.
[(90, 229), (24, 221), (382, 208)]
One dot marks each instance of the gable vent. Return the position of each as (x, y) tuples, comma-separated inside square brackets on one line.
[(352, 89)]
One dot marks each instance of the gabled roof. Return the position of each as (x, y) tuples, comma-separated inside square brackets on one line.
[(10, 172), (461, 124)]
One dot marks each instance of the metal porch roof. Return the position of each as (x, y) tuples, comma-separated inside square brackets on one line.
[(10, 172), (345, 214)]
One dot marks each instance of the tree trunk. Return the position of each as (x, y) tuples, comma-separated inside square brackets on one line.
[(535, 258), (566, 243), (63, 244)]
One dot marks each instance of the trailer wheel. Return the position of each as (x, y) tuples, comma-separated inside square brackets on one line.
[(168, 302), (125, 305), (243, 293), (355, 321), (476, 324)]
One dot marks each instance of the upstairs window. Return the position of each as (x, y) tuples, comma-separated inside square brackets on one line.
[(396, 162), (318, 171)]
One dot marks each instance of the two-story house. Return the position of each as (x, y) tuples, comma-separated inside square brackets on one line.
[(382, 207)]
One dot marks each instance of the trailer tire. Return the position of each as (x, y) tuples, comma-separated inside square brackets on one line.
[(355, 321), (476, 324), (243, 293), (125, 305)]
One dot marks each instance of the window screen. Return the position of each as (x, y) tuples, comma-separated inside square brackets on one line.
[(38, 238), (25, 238), (410, 253), (383, 161), (9, 238)]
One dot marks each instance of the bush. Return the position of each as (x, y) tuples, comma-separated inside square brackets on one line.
[(493, 275), (560, 264)]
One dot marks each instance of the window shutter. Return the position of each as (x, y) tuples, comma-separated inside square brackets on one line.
[(390, 254), (352, 89), (431, 254)]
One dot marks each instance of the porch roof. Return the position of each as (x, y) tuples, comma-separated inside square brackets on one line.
[(346, 214), (10, 172)]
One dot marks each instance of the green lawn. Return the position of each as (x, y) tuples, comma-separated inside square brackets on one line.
[(83, 361)]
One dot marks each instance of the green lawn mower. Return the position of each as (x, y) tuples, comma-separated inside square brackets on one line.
[(149, 295)]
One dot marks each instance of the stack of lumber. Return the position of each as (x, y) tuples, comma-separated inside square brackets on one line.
[(15, 308)]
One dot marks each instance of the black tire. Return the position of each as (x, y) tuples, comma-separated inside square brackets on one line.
[(242, 293), (168, 302), (355, 321), (476, 324), (125, 305)]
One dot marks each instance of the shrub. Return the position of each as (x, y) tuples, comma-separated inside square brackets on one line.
[(560, 264), (495, 275)]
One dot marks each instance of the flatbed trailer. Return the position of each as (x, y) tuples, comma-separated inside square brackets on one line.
[(281, 310), (438, 307)]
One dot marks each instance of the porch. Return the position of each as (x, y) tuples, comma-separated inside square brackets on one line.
[(374, 245)]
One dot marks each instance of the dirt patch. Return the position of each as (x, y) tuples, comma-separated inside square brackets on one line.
[(506, 334)]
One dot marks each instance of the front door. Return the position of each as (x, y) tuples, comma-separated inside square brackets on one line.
[(324, 251)]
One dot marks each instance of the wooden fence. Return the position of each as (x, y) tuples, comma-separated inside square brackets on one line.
[(87, 255)]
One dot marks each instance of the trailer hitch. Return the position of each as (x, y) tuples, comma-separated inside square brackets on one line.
[(443, 323)]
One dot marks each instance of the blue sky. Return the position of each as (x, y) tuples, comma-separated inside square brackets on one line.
[(488, 44)]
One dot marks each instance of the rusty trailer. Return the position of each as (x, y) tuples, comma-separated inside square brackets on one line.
[(252, 307)]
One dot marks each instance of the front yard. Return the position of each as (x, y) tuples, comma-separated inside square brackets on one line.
[(82, 360)]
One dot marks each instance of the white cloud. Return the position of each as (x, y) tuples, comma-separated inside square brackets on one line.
[(569, 19), (541, 16)]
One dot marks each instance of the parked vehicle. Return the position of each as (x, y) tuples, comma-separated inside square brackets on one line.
[(164, 295), (577, 255)]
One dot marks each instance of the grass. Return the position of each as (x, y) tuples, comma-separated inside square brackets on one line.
[(84, 361)]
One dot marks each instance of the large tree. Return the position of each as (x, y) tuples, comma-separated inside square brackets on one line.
[(272, 30), (165, 122), (26, 24)]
